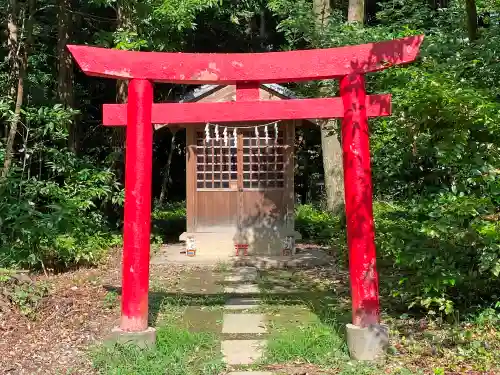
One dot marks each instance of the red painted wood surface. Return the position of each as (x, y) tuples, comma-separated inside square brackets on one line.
[(269, 110), (358, 202), (271, 67), (136, 231), (247, 91)]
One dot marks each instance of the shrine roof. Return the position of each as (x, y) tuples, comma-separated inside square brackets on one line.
[(205, 90), (274, 88)]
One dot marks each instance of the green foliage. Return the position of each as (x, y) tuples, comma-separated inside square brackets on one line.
[(435, 256), (111, 300), (169, 221), (27, 297), (155, 24), (429, 257), (182, 13), (316, 225), (21, 293), (297, 20), (51, 223)]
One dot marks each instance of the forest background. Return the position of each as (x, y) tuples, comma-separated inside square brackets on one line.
[(436, 160)]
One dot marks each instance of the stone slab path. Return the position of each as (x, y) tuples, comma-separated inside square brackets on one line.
[(242, 303), (243, 323), (242, 289), (239, 321)]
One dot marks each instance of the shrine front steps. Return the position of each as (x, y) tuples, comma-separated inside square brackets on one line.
[(224, 242), (175, 254), (307, 259)]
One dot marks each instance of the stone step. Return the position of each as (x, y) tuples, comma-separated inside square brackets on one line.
[(242, 352), (242, 289), (241, 303), (243, 323)]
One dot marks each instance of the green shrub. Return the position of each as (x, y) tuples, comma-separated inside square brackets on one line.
[(436, 254), (169, 221), (20, 292), (56, 223), (316, 225)]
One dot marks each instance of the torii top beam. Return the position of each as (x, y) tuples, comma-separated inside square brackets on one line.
[(270, 67)]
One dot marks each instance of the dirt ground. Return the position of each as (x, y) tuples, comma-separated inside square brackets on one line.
[(78, 311)]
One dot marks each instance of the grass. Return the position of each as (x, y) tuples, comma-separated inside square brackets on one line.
[(298, 335), (308, 327), (177, 352), (186, 308), (299, 338), (222, 267)]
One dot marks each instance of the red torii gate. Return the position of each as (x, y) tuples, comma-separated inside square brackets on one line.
[(247, 71)]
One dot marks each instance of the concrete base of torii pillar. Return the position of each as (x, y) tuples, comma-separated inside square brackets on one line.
[(369, 343), (143, 339)]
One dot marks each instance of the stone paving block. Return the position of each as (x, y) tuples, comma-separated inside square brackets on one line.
[(242, 289), (243, 323), (240, 278), (242, 352), (248, 272), (241, 303)]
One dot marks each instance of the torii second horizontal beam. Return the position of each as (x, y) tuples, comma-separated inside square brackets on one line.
[(266, 110)]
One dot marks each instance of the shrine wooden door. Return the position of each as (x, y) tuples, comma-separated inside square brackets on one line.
[(243, 185), (264, 189)]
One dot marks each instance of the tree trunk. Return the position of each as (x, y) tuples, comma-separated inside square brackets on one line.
[(13, 55), (332, 165), (166, 176), (470, 7), (13, 45), (322, 11), (262, 30), (356, 11), (262, 26), (65, 66), (119, 131), (23, 65), (330, 144), (13, 125), (124, 22)]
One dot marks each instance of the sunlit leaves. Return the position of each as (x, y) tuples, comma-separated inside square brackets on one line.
[(181, 14)]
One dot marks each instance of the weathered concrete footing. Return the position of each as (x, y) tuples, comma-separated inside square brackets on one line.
[(143, 339), (369, 343)]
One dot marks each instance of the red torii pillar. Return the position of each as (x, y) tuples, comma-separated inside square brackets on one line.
[(137, 220), (347, 64)]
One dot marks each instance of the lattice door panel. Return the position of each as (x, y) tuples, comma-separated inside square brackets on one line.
[(216, 163), (263, 160)]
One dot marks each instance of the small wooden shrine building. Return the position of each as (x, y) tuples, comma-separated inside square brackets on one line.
[(240, 179)]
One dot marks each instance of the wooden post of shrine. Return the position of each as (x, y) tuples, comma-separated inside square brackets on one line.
[(137, 221)]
